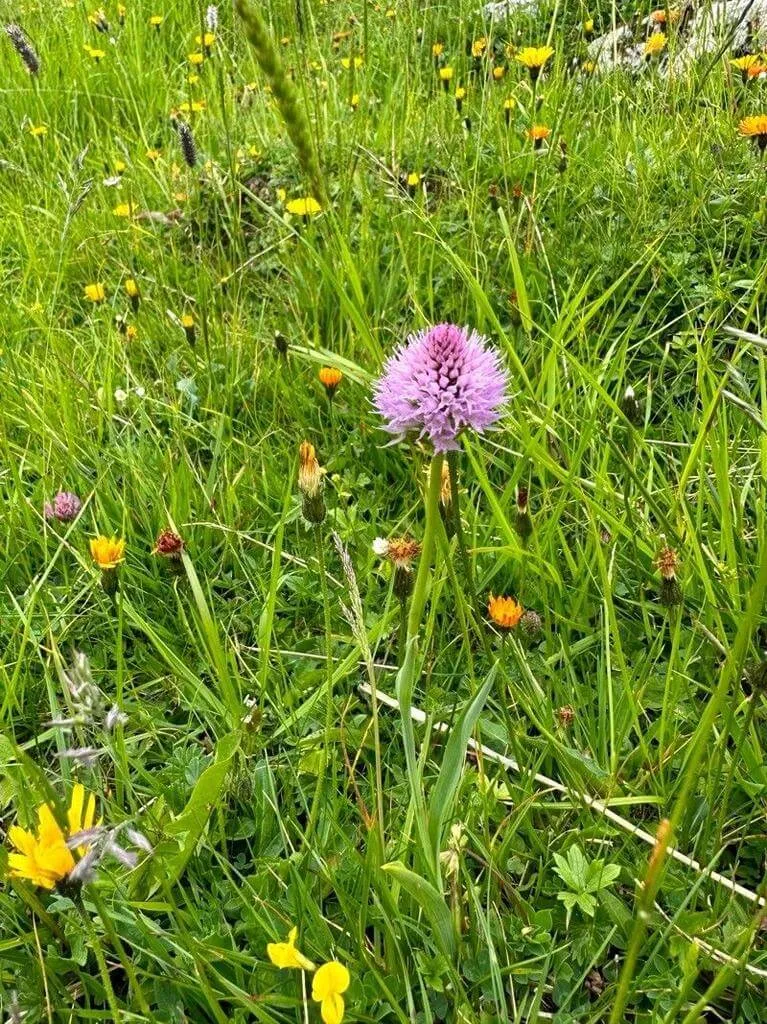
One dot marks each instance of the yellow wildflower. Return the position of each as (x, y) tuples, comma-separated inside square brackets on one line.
[(306, 206), (107, 552), (285, 954), (754, 127), (43, 857), (95, 292), (534, 58), (328, 985), (655, 44)]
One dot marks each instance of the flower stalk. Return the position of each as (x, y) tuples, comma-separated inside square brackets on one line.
[(286, 95)]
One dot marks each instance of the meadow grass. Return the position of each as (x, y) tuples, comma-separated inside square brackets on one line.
[(263, 755)]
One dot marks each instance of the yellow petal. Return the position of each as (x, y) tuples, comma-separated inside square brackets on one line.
[(75, 813), (90, 812), (49, 832), (23, 840), (332, 1009), (331, 979), (285, 954)]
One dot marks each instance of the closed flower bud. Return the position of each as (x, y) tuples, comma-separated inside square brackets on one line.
[(630, 407), (280, 344), (446, 501), (133, 293), (523, 524), (330, 378), (187, 322), (169, 545), (530, 625), (565, 715), (310, 485), (670, 590)]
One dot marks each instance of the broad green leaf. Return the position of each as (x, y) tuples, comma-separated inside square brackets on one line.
[(448, 780), (430, 900)]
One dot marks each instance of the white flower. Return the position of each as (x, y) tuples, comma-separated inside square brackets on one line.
[(120, 395), (140, 392), (381, 547)]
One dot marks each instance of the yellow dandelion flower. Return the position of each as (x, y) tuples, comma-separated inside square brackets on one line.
[(94, 54), (754, 127), (153, 154), (107, 552), (196, 58), (534, 58), (437, 49), (498, 72), (306, 206), (655, 44), (156, 20), (478, 47), (206, 41), (43, 857), (38, 129), (745, 62), (124, 210), (95, 292)]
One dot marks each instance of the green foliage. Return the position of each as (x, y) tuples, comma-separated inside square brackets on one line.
[(273, 790), (584, 879)]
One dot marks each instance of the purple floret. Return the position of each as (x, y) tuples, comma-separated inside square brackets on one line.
[(65, 507), (440, 382)]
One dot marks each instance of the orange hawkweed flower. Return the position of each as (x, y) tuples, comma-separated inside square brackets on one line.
[(330, 378), (538, 133), (504, 611), (754, 127)]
